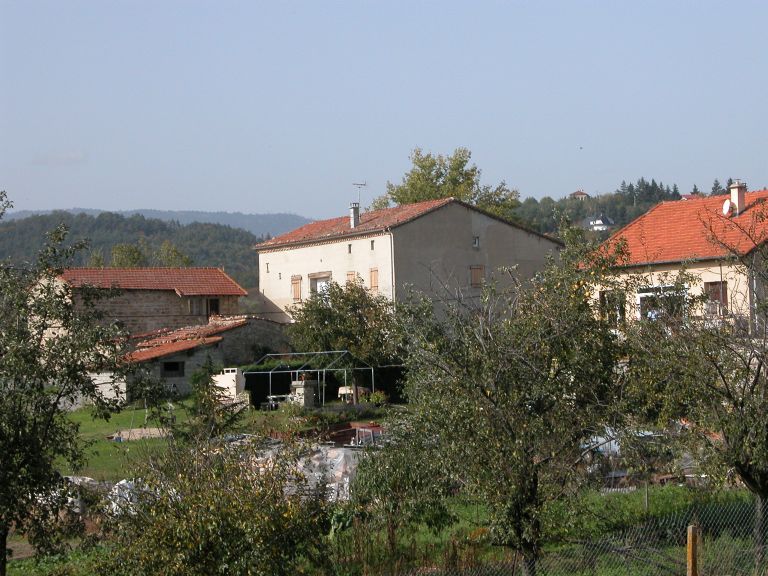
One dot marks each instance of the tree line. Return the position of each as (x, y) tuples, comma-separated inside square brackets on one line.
[(119, 241)]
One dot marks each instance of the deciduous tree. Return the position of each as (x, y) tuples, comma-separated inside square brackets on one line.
[(433, 177), (48, 348), (511, 392)]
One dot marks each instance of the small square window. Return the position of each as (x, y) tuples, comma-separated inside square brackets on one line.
[(172, 370)]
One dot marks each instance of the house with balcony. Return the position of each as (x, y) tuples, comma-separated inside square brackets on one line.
[(148, 299), (716, 240), (440, 248)]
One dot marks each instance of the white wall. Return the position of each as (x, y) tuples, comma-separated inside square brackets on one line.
[(276, 268)]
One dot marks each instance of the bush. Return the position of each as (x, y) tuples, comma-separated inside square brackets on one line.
[(240, 509)]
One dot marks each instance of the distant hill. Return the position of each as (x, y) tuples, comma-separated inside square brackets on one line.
[(205, 243), (258, 224)]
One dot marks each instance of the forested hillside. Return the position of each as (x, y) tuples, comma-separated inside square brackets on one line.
[(205, 244), (622, 206), (258, 224)]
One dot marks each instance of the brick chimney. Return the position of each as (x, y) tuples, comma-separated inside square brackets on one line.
[(354, 214), (738, 195)]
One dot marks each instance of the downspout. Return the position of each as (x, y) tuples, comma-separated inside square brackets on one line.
[(392, 263), (752, 301)]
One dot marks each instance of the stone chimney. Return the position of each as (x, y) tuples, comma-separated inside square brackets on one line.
[(738, 195), (354, 214)]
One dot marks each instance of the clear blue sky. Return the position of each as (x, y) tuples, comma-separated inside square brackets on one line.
[(280, 106)]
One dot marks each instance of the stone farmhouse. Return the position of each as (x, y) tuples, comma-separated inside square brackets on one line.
[(437, 247), (709, 237), (174, 355), (154, 298)]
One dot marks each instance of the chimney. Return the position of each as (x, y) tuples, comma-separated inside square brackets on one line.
[(354, 214), (738, 195)]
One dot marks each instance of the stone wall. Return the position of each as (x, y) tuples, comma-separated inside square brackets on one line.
[(239, 346), (142, 311)]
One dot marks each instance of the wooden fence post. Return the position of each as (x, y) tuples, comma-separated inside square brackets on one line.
[(694, 542)]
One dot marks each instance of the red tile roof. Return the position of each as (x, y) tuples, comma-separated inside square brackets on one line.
[(370, 222), (183, 281), (146, 354), (694, 229), (164, 342)]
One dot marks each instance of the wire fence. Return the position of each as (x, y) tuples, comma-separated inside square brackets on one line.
[(728, 546)]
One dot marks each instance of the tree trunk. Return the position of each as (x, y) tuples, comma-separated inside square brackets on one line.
[(529, 564), (760, 530), (3, 545)]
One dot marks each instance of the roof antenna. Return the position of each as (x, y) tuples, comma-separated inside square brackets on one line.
[(359, 185)]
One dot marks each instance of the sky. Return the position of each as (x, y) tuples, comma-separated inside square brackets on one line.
[(281, 106)]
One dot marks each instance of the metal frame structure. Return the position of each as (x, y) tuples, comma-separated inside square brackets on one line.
[(334, 358)]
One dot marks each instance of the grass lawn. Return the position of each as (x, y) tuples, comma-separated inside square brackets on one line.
[(110, 460)]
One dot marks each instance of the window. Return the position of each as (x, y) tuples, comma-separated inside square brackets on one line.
[(657, 301), (476, 276), (349, 248), (172, 369), (374, 279), (613, 307), (717, 298), (371, 244), (351, 277), (475, 241), (296, 288), (267, 265), (319, 282), (213, 307), (196, 306)]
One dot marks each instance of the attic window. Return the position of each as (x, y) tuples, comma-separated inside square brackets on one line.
[(475, 241), (371, 244), (267, 265), (349, 248)]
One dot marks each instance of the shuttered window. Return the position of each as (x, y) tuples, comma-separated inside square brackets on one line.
[(374, 280), (476, 276), (296, 288)]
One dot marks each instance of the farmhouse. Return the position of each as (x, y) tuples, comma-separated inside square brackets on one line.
[(438, 247), (153, 298), (174, 355), (710, 237)]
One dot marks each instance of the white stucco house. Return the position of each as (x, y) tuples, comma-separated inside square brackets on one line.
[(437, 247)]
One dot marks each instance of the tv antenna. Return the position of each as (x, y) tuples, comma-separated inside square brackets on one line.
[(359, 185)]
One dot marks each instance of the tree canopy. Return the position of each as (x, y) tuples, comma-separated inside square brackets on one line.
[(48, 349), (434, 177), (348, 317)]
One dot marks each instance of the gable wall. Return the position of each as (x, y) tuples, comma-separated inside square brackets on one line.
[(434, 253)]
